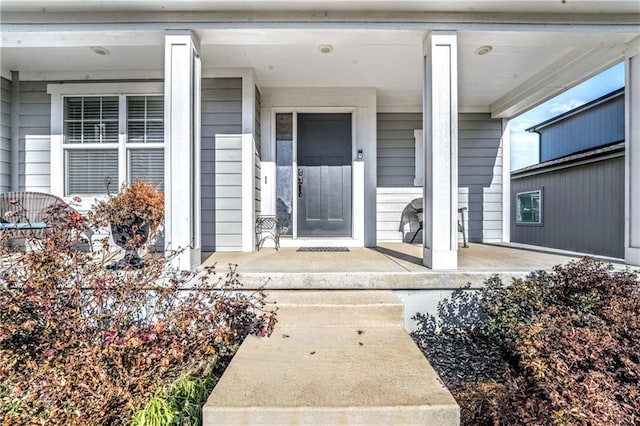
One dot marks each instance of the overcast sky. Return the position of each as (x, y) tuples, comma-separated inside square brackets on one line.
[(524, 145)]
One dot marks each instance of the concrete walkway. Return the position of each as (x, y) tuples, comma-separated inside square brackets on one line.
[(336, 357)]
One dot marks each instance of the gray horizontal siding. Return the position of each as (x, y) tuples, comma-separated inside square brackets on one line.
[(480, 176), (221, 159), (582, 208), (479, 173), (601, 124), (35, 136), (396, 148), (5, 135)]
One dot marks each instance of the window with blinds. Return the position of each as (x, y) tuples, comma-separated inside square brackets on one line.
[(91, 119), (145, 119), (96, 158)]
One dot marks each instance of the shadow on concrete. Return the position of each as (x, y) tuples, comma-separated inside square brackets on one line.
[(398, 255), (554, 251)]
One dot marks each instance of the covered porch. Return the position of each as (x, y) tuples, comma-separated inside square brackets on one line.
[(428, 102)]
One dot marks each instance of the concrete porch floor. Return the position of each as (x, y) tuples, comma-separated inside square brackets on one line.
[(388, 266)]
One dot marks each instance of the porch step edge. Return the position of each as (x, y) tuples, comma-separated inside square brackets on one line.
[(435, 280)]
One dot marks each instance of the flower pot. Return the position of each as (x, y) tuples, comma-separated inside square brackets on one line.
[(131, 237)]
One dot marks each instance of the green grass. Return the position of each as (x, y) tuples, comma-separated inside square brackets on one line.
[(180, 405)]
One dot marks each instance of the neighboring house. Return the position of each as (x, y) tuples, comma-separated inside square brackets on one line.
[(574, 198), (328, 115)]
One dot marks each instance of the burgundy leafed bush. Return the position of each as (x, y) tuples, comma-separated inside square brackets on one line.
[(558, 348), (83, 344), (573, 339)]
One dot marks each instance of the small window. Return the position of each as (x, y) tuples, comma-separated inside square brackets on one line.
[(529, 207), (284, 172)]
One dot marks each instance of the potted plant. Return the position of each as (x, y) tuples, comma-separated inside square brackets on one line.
[(135, 214)]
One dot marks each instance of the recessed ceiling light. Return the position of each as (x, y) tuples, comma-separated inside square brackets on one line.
[(483, 50), (325, 48), (99, 50)]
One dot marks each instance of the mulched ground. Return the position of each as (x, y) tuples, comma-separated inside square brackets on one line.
[(467, 361), (461, 356)]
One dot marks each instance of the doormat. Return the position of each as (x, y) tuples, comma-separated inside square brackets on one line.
[(324, 249)]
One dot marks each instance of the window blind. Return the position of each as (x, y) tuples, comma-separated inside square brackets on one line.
[(147, 164), (87, 171)]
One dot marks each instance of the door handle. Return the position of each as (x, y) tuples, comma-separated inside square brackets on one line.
[(299, 187)]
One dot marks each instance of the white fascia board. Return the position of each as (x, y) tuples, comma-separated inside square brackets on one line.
[(474, 109), (5, 73), (70, 89), (563, 74), (150, 6), (633, 48), (71, 75), (153, 19), (212, 72), (56, 38)]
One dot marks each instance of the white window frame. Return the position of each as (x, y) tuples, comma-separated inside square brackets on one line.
[(540, 206), (60, 91)]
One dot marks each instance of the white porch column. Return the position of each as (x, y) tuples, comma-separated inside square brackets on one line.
[(15, 131), (248, 162), (440, 125), (182, 146), (632, 156)]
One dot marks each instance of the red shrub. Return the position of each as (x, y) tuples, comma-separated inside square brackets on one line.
[(573, 338), (83, 344)]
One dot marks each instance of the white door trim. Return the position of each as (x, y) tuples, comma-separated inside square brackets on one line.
[(361, 104)]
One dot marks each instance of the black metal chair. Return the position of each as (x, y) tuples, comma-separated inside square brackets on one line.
[(267, 228)]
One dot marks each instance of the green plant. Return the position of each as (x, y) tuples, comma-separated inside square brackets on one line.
[(180, 405), (157, 412), (81, 344)]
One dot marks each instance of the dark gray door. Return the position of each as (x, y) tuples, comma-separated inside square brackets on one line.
[(324, 175)]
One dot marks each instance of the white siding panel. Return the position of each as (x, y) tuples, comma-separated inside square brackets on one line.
[(390, 204), (34, 131), (37, 166)]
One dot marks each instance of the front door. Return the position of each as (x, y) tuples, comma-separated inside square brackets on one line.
[(324, 175)]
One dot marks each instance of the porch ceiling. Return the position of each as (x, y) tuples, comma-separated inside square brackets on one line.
[(522, 69)]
